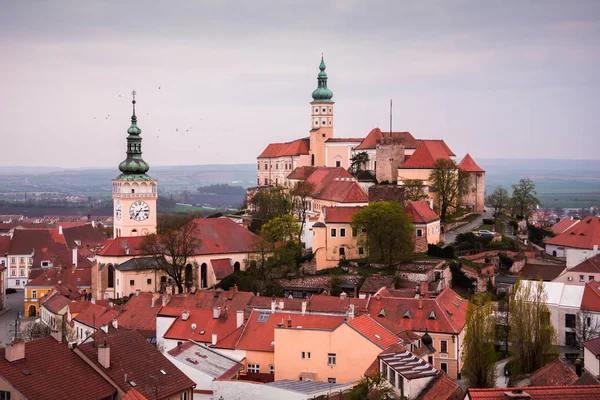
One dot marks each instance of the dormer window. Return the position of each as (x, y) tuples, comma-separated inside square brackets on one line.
[(381, 313), (432, 315), (406, 314)]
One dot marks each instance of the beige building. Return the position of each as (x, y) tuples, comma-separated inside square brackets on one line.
[(474, 200), (426, 223)]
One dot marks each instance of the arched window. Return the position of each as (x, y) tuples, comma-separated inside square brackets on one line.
[(189, 276), (203, 275), (312, 159), (236, 267), (134, 231), (111, 276)]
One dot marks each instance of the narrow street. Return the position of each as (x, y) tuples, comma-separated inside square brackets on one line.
[(450, 237), (14, 306), (501, 379)]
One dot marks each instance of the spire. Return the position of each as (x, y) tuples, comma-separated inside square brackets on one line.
[(134, 167), (322, 93)]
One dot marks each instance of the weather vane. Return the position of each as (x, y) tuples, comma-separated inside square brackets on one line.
[(133, 93)]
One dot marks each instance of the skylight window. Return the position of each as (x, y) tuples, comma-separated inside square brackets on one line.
[(162, 371), (432, 315), (406, 314), (381, 313), (263, 316)]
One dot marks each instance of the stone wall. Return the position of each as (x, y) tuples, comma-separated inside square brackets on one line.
[(386, 193), (476, 191), (389, 155)]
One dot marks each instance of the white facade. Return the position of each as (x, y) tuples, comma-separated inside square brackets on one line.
[(17, 270), (592, 364), (577, 256)]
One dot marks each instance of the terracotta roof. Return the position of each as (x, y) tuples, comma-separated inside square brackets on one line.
[(469, 165), (370, 141), (259, 331), (337, 215), (133, 394), (343, 140), (547, 271), (591, 297), (138, 264), (373, 331), (118, 247), (592, 265), (78, 277), (555, 373), (420, 212), (222, 235), (586, 392), (563, 225), (336, 304), (447, 313), (301, 173), (375, 282), (85, 234), (264, 303), (24, 241), (408, 364), (56, 303), (442, 388), (223, 267), (583, 235), (426, 154), (295, 148), (138, 314), (441, 143), (206, 360), (95, 315), (132, 355), (4, 245), (336, 184), (53, 372), (208, 299), (593, 345), (206, 325)]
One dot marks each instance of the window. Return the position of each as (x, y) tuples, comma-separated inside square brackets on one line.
[(13, 272), (323, 110), (392, 378), (569, 278), (444, 367), (21, 260), (308, 355), (34, 294), (266, 166), (333, 232), (131, 282), (329, 109), (13, 260), (303, 355), (430, 360), (338, 164), (22, 272), (254, 368), (331, 359), (18, 282), (342, 232), (419, 232), (4, 395), (184, 396), (570, 320), (330, 380), (266, 181), (324, 122), (588, 321), (591, 277), (444, 346), (276, 166), (342, 252), (354, 232), (316, 110), (271, 369), (45, 264), (581, 278), (149, 281), (384, 370), (361, 251)]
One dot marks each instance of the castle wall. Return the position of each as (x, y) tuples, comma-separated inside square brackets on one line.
[(389, 156), (476, 191)]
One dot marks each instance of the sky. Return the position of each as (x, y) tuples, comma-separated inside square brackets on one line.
[(217, 81)]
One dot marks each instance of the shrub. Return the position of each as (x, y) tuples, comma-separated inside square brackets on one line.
[(488, 221), (443, 252), (11, 290)]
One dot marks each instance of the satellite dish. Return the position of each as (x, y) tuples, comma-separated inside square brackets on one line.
[(193, 327)]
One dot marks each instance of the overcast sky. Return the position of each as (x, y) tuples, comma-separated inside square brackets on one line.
[(497, 79)]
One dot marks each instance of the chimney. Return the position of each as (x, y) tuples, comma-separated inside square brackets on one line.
[(165, 299), (273, 305), (176, 289), (214, 339), (578, 370), (104, 328), (289, 321), (185, 315), (351, 311), (231, 293), (420, 303), (104, 355), (115, 324), (169, 290), (60, 230), (516, 394), (93, 224), (15, 351), (304, 304), (93, 301), (216, 312), (155, 297), (281, 305), (343, 296), (137, 292), (240, 319), (75, 257), (235, 289)]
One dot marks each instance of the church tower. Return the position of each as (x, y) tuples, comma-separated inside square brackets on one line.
[(321, 118), (134, 193)]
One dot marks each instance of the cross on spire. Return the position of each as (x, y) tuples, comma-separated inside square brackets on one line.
[(133, 93)]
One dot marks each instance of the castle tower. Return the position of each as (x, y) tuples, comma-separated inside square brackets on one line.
[(474, 199), (389, 155), (134, 193), (321, 118)]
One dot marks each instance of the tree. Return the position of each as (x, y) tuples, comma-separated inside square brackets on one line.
[(479, 355), (524, 202), (388, 231), (372, 387), (358, 161), (449, 185), (531, 332), (301, 193), (269, 204), (498, 200), (176, 241), (414, 190), (280, 229), (588, 327), (36, 330)]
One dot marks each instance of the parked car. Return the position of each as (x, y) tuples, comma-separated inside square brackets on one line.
[(485, 232)]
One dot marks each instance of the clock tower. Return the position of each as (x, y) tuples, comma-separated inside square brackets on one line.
[(134, 192)]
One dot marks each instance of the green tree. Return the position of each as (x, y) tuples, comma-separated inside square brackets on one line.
[(532, 335), (372, 387), (449, 185), (268, 204), (414, 190), (358, 161), (498, 200), (177, 239), (478, 358), (388, 231), (524, 200), (280, 229)]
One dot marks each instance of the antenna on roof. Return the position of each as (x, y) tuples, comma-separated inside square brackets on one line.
[(390, 117)]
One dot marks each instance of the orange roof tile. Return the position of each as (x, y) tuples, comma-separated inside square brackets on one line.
[(222, 235), (206, 325), (337, 215), (555, 373), (583, 235), (563, 225), (336, 184), (95, 315), (295, 148), (584, 392), (222, 267), (301, 173), (426, 154), (4, 245), (133, 394), (370, 141), (25, 241), (208, 299), (593, 345), (442, 388), (591, 297), (592, 264), (264, 303), (78, 277), (420, 212), (122, 246), (138, 314), (337, 304), (469, 165), (373, 331), (343, 140)]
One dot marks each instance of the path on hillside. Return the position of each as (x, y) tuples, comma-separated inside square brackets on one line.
[(501, 380), (450, 237)]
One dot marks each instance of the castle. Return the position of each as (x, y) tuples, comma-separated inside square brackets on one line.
[(388, 157)]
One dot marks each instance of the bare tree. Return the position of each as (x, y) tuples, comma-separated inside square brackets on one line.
[(498, 200), (587, 327), (302, 192), (36, 330), (524, 200), (414, 190), (449, 185)]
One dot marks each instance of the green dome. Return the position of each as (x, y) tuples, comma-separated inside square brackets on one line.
[(322, 92), (134, 167)]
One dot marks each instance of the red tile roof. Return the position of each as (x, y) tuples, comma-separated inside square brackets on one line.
[(563, 225), (54, 372), (301, 173), (467, 164), (373, 331), (370, 141), (208, 299), (118, 247), (340, 215), (295, 148), (336, 304), (583, 235), (132, 355), (206, 325), (78, 277), (264, 303), (447, 313), (592, 265), (222, 267), (420, 212), (593, 345), (25, 241), (336, 184), (442, 388), (95, 315), (546, 271), (4, 245), (133, 394), (585, 392), (555, 373), (591, 297), (55, 303), (343, 140), (222, 235), (375, 282), (139, 315), (426, 154), (86, 235)]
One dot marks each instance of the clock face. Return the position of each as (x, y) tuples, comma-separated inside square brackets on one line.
[(139, 211), (118, 209)]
